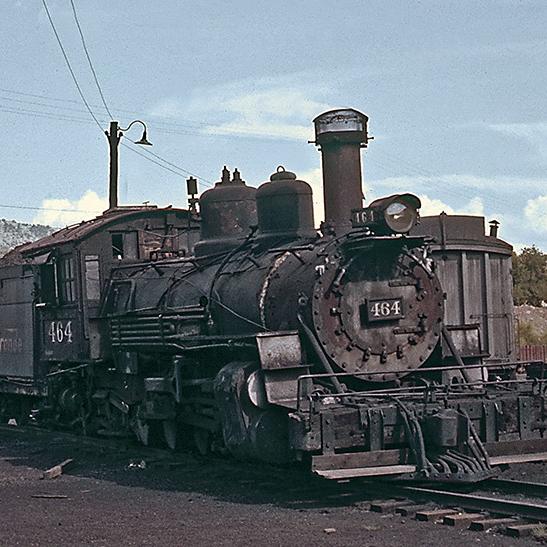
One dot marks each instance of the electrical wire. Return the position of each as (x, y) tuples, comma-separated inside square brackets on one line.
[(48, 115), (184, 171), (69, 65), (89, 59), (204, 180), (101, 93), (5, 206), (43, 105), (187, 123)]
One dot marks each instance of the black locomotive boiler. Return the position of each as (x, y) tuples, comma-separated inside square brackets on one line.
[(374, 346)]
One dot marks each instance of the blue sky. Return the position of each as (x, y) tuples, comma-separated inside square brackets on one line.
[(455, 92)]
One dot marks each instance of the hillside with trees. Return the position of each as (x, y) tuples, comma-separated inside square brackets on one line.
[(530, 295), (13, 233)]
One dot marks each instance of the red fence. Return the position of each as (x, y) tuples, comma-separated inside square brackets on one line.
[(533, 353)]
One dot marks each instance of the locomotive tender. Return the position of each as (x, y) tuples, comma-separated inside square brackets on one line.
[(370, 348)]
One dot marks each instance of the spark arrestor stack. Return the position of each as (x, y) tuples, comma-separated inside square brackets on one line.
[(341, 134)]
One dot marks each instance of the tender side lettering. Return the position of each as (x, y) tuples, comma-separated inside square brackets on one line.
[(11, 345)]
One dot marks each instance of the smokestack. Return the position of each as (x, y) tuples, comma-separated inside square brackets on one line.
[(341, 134), (494, 226)]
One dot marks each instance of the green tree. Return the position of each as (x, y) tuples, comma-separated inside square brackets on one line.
[(530, 276)]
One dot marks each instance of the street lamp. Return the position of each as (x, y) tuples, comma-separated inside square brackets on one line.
[(114, 136)]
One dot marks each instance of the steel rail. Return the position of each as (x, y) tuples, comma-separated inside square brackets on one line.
[(535, 489), (526, 510)]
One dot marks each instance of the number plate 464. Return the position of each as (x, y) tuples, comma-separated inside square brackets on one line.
[(382, 310), (60, 332)]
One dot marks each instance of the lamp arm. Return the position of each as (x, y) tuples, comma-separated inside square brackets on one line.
[(131, 124)]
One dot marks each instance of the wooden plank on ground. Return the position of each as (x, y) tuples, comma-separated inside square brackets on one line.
[(461, 520), (434, 514), (521, 530), (411, 510), (56, 470), (388, 506), (481, 525)]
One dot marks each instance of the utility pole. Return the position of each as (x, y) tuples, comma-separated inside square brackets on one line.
[(114, 136), (113, 141)]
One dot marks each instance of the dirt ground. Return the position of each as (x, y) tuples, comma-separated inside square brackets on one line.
[(106, 498)]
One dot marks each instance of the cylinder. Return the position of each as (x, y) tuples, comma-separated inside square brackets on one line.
[(341, 134)]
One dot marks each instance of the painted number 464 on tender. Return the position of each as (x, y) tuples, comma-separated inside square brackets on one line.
[(60, 331)]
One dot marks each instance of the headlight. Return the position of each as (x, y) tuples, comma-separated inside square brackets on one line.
[(400, 217), (392, 215)]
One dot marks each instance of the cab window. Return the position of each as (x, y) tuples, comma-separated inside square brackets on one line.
[(92, 279), (125, 245), (67, 279)]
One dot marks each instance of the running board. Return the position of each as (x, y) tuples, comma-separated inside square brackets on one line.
[(337, 474), (398, 461), (519, 458), (363, 464)]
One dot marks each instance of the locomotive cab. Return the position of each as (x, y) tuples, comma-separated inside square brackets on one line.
[(53, 289)]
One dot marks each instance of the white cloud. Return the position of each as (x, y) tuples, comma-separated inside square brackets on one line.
[(535, 213), (534, 133), (168, 108), (461, 184), (314, 177), (432, 206), (278, 108), (258, 128), (63, 212), (269, 113), (519, 247)]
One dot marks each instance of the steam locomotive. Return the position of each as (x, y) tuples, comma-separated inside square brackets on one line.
[(378, 345)]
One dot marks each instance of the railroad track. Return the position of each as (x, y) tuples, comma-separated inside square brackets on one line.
[(534, 489), (475, 511), (485, 506)]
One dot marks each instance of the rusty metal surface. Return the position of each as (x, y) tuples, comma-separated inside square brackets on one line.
[(227, 213), (285, 207), (340, 135), (244, 329), (358, 345), (464, 231), (85, 229), (279, 350)]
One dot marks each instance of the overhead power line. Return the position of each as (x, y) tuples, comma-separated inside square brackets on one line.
[(141, 153), (82, 96), (181, 123), (48, 115), (89, 58), (66, 118), (69, 65), (6, 206)]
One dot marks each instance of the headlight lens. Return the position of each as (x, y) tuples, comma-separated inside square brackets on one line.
[(400, 217)]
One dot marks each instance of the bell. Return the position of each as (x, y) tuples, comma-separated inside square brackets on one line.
[(144, 140)]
